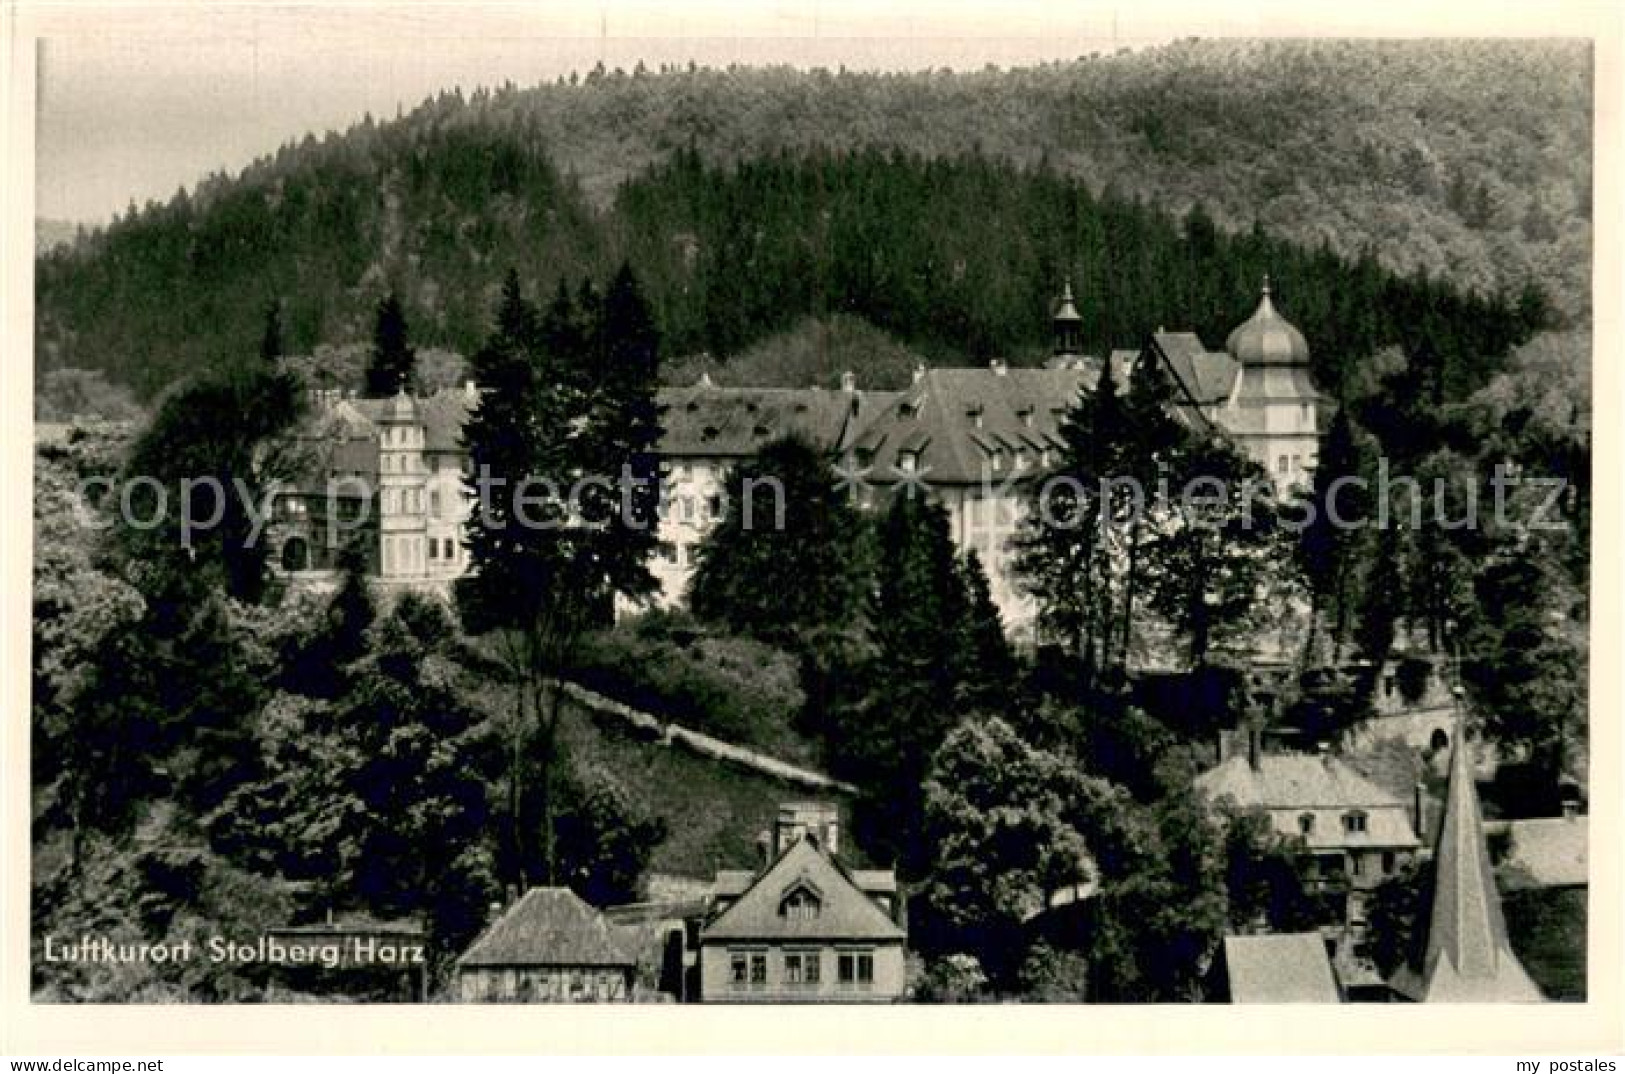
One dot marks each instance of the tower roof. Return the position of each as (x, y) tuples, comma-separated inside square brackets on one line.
[(1468, 958), (1267, 338), (401, 407), (1068, 311)]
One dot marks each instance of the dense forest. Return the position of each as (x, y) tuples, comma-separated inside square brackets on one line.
[(941, 207)]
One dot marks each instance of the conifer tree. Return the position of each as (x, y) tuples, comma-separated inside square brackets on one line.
[(989, 664), (391, 365), (561, 446), (1069, 554), (1332, 546), (271, 341)]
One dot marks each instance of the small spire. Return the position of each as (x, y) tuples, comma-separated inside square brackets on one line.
[(1266, 285), (1066, 289)]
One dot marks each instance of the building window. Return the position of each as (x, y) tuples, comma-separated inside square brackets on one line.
[(668, 552), (1282, 464), (800, 905), (747, 969), (1354, 823), (801, 968), (855, 969), (1388, 862), (1357, 864), (1306, 824)]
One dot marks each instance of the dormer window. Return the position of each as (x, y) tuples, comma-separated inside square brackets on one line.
[(1354, 823), (801, 903), (908, 461), (1021, 458), (1026, 415), (974, 413), (908, 410)]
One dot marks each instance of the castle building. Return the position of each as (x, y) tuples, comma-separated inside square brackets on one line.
[(973, 438)]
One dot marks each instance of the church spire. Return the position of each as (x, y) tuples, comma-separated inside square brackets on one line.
[(1468, 957)]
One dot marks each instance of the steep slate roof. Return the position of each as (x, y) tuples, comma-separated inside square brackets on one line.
[(1468, 958), (706, 420), (1205, 377), (937, 418), (1285, 968), (549, 927), (846, 912), (1289, 782)]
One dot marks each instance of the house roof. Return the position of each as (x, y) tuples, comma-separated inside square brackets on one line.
[(960, 420), (1468, 957), (1288, 783), (846, 912), (1284, 968), (1545, 852), (710, 421), (1205, 377), (549, 927)]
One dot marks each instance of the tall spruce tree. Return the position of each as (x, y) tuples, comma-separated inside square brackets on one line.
[(1335, 542), (989, 667), (1070, 552), (271, 346), (392, 363), (561, 445)]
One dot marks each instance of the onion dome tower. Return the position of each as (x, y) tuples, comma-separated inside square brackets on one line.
[(1273, 409)]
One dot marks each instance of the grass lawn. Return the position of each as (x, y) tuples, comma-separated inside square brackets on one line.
[(712, 810)]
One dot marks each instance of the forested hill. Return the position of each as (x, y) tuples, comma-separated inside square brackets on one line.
[(941, 207)]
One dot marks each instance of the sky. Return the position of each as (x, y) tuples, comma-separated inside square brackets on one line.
[(130, 114), (134, 101)]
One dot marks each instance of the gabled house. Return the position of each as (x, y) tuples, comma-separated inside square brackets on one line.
[(549, 947), (1355, 833), (803, 928)]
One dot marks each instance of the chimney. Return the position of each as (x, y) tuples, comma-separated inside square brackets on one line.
[(1419, 809), (849, 381), (998, 367), (1571, 808), (764, 850), (493, 912), (470, 390), (919, 372)]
